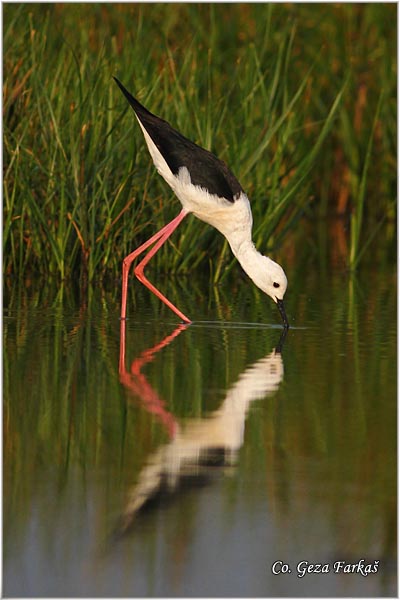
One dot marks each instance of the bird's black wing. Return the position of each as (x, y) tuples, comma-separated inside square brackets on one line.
[(205, 169)]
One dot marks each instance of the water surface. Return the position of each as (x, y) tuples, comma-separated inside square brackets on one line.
[(187, 460)]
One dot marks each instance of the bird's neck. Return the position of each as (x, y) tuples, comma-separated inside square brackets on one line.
[(252, 261)]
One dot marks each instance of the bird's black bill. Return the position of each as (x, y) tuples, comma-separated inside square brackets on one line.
[(281, 307)]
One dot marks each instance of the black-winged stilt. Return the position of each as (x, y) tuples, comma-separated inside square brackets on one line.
[(207, 188)]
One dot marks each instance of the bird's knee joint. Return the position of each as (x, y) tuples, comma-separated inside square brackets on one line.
[(126, 264), (139, 272)]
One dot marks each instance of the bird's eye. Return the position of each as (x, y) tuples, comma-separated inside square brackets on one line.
[(276, 285)]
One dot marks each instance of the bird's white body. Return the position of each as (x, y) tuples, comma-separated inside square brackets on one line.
[(233, 219)]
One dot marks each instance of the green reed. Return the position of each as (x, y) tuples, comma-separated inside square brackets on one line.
[(285, 94)]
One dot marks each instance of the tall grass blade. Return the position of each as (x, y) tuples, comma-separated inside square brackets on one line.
[(358, 211)]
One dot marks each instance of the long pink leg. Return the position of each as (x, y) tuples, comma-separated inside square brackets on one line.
[(160, 237)]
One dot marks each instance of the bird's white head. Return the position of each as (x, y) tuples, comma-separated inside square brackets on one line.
[(267, 275), (273, 280)]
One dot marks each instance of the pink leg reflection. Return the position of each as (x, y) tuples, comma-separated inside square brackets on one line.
[(137, 384)]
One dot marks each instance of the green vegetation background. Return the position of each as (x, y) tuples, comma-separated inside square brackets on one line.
[(299, 100)]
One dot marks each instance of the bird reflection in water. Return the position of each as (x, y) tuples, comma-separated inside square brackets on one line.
[(197, 446)]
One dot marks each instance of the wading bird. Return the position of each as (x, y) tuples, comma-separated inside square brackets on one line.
[(207, 188)]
